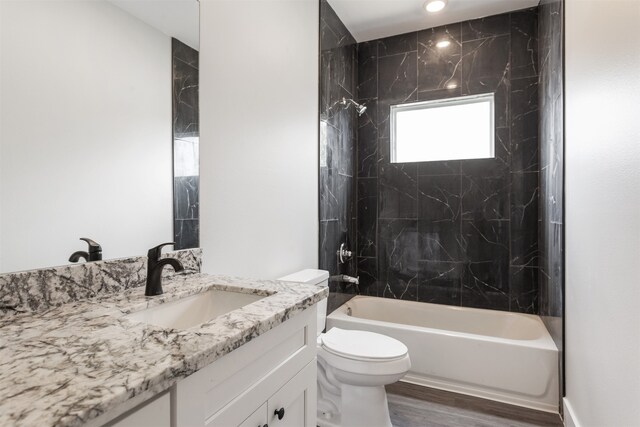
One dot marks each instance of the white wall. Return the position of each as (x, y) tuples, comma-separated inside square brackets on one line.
[(258, 140), (603, 212), (85, 137)]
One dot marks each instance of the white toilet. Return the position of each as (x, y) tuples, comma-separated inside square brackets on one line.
[(353, 368)]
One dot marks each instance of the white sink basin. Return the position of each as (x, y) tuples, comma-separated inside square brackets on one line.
[(193, 310)]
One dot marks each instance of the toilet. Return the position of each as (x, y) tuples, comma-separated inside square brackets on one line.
[(353, 368)]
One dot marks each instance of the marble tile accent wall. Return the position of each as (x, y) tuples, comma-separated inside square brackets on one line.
[(464, 232), (186, 138), (337, 149), (38, 290), (551, 241)]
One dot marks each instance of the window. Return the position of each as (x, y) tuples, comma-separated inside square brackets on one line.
[(446, 129)]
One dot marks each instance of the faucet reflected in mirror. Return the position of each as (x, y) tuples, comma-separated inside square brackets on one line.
[(93, 254), (154, 269)]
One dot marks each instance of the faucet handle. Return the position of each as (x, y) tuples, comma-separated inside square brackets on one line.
[(95, 250), (154, 253), (93, 245)]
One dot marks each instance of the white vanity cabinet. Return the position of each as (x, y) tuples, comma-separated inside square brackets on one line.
[(269, 381), (273, 372)]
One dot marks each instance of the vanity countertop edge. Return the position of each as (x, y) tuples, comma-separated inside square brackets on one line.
[(73, 363)]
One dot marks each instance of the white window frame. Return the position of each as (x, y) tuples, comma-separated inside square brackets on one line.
[(461, 100)]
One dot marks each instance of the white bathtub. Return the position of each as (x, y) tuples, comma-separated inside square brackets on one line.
[(508, 357)]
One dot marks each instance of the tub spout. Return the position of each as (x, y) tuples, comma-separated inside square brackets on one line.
[(345, 279)]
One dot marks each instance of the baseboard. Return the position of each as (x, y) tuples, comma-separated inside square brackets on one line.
[(570, 419)]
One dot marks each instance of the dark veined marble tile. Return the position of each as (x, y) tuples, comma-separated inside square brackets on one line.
[(497, 166), (367, 216), (486, 58), (523, 291), (440, 282), (489, 26), (186, 197), (367, 70), (337, 81), (551, 271), (500, 86), (485, 198), (333, 32), (398, 188), (402, 43), (185, 101), (524, 43), (441, 241), (397, 259), (368, 273), (186, 233), (343, 142), (448, 167), (368, 140), (486, 240), (397, 77), (439, 65), (330, 238), (184, 53), (439, 198), (329, 197), (524, 219), (524, 125), (486, 285)]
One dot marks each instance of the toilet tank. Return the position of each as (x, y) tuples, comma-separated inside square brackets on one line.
[(313, 277)]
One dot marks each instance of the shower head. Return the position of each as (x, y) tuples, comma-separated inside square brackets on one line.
[(360, 109)]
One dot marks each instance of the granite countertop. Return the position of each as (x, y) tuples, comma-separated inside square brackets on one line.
[(70, 364)]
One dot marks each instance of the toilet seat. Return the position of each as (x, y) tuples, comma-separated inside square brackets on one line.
[(362, 345)]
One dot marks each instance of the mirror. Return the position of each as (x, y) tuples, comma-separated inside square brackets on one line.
[(98, 128)]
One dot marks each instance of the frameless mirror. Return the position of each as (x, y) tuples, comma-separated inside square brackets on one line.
[(98, 109)]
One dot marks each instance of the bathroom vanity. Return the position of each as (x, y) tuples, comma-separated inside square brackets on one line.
[(123, 359)]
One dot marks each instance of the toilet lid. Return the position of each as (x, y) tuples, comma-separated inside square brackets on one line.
[(363, 345)]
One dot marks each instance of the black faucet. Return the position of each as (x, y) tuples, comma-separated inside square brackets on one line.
[(154, 269), (94, 254)]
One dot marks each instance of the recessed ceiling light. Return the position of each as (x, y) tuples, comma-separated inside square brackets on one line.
[(433, 6), (442, 44), (452, 85)]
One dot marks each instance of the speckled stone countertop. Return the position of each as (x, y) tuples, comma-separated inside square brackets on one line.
[(72, 363)]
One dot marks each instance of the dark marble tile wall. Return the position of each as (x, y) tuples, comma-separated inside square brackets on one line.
[(186, 136), (551, 244), (337, 149), (464, 232)]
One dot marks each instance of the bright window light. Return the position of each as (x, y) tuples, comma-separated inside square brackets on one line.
[(446, 129)]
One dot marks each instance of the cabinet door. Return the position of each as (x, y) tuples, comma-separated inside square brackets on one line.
[(258, 419), (294, 405)]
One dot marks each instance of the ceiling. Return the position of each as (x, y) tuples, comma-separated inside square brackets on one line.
[(373, 19), (176, 18)]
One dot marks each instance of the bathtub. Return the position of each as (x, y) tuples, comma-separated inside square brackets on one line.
[(497, 355)]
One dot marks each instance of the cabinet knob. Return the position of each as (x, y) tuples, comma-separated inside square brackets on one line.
[(279, 413)]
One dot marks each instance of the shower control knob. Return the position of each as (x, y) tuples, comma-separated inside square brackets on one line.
[(279, 413), (343, 253)]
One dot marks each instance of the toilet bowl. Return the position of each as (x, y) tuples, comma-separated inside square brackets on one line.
[(353, 368)]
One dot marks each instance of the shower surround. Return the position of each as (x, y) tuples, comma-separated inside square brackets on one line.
[(464, 232), (338, 127), (461, 232)]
